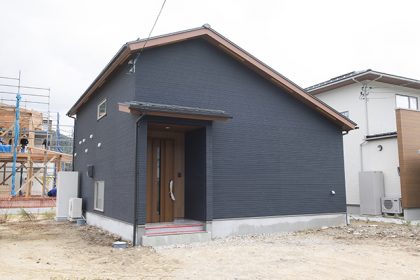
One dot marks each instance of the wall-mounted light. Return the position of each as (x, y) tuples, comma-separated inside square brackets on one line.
[(83, 140), (380, 148), (75, 154), (99, 144), (332, 192), (80, 142), (86, 150), (91, 136)]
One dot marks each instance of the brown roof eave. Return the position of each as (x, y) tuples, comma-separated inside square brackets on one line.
[(117, 60)]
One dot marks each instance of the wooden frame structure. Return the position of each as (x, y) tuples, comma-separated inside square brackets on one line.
[(35, 161)]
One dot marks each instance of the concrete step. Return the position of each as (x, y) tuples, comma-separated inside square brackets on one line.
[(157, 240), (172, 228)]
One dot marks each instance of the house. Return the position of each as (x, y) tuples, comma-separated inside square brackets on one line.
[(190, 127), (386, 108)]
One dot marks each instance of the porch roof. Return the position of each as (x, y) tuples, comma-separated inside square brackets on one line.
[(176, 111)]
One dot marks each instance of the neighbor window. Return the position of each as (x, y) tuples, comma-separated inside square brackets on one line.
[(102, 109), (99, 196), (345, 113), (406, 102)]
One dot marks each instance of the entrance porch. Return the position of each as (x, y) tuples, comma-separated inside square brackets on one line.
[(174, 173)]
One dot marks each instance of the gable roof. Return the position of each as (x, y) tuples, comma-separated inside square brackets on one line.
[(360, 76), (205, 32)]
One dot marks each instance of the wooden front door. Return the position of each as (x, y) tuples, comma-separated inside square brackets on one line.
[(160, 180)]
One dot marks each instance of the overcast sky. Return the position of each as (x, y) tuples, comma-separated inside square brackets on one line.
[(63, 45)]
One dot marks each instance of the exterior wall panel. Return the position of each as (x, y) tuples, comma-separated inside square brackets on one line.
[(408, 147), (114, 161), (195, 175), (276, 156)]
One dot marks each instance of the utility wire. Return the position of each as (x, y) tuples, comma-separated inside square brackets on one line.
[(154, 24), (133, 69)]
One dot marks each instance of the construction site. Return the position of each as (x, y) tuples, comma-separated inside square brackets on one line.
[(34, 146)]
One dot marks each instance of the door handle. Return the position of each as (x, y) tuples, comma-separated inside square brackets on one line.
[(171, 187)]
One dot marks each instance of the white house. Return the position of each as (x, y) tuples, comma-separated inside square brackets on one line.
[(370, 99)]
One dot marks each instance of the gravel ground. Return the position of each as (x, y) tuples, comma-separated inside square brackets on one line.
[(44, 249)]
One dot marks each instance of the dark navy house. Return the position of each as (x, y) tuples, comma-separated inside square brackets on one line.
[(187, 136)]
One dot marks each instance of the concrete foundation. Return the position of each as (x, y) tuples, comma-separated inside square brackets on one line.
[(219, 228), (380, 219), (353, 209), (123, 229), (223, 228), (412, 214), (167, 240)]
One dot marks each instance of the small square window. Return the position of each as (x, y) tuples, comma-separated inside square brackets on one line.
[(406, 102), (99, 196), (101, 109)]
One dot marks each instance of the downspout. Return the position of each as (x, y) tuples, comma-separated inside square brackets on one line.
[(361, 155), (364, 88), (135, 180), (74, 141)]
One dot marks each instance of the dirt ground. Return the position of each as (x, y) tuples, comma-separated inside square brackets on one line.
[(44, 249)]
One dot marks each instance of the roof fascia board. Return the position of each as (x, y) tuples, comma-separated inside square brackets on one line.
[(117, 60)]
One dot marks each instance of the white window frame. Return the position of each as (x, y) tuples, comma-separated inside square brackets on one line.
[(96, 206), (98, 114), (409, 98)]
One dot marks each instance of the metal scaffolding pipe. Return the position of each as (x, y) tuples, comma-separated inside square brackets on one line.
[(16, 140)]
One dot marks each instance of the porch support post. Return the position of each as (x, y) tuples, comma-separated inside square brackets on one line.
[(209, 173), (141, 172)]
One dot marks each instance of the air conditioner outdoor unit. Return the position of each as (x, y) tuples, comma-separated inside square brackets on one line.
[(391, 205), (75, 208)]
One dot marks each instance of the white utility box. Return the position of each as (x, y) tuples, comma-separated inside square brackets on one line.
[(67, 187), (371, 190), (75, 208)]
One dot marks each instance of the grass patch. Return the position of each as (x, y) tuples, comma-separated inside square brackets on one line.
[(3, 218), (25, 215), (49, 215)]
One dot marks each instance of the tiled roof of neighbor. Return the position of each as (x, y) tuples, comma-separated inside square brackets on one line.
[(360, 76)]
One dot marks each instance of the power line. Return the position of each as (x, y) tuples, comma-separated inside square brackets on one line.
[(154, 24), (133, 69)]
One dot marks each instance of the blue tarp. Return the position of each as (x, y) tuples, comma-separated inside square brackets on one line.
[(5, 148), (52, 192)]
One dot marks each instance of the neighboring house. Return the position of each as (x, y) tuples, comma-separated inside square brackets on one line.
[(190, 127), (373, 99)]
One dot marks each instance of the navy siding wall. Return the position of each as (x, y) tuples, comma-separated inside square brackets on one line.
[(195, 175), (114, 161), (275, 157)]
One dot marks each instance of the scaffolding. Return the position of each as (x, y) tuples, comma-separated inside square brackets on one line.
[(34, 145)]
